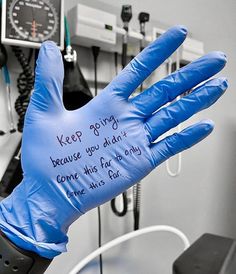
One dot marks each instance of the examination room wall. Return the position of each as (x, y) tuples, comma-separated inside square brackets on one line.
[(203, 197)]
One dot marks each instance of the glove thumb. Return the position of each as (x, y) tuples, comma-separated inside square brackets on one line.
[(49, 75)]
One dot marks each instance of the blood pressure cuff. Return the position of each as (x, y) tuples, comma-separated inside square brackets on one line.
[(16, 260)]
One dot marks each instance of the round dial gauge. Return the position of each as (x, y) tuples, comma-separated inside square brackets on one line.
[(33, 20)]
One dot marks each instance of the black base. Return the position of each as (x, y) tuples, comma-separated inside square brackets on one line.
[(210, 254), (14, 260)]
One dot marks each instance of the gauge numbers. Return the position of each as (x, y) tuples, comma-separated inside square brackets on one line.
[(34, 20)]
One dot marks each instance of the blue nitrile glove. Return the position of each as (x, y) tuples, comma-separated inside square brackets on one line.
[(74, 161)]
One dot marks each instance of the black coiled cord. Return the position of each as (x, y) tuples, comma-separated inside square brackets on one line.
[(137, 204), (25, 84)]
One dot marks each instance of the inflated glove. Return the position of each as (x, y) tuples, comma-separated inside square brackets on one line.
[(74, 161)]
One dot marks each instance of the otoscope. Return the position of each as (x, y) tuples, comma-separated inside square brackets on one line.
[(126, 15), (143, 17)]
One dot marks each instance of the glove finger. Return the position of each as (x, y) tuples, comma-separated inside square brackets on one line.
[(179, 111), (179, 82), (147, 61), (183, 140), (49, 75)]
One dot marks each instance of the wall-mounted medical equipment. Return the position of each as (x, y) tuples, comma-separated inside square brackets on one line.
[(28, 22), (126, 16), (91, 26), (143, 18)]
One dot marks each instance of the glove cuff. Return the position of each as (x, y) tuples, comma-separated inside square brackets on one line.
[(16, 260)]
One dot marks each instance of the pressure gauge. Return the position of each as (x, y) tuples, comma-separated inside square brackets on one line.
[(31, 22)]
